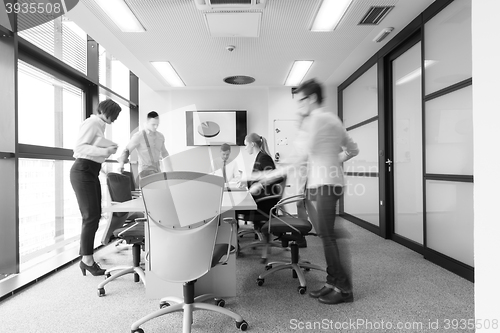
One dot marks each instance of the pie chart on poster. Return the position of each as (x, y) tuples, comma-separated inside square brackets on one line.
[(208, 129)]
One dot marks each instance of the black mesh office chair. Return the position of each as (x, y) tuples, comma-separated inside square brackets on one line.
[(290, 230), (134, 189), (128, 227), (259, 217)]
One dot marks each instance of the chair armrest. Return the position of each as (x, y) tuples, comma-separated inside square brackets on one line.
[(132, 225), (276, 196), (292, 199)]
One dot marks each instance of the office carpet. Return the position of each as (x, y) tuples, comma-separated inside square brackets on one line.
[(395, 290)]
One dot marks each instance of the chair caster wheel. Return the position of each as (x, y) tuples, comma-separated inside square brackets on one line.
[(268, 267), (220, 302), (243, 326), (101, 292), (139, 330), (260, 282), (302, 290), (164, 305)]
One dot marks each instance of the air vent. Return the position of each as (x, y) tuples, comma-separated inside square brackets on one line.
[(375, 15), (231, 2), (239, 79)]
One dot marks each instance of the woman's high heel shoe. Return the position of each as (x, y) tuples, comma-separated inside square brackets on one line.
[(95, 269)]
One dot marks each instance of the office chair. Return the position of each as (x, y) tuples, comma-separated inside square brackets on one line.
[(133, 187), (183, 213), (261, 215), (124, 226), (290, 230)]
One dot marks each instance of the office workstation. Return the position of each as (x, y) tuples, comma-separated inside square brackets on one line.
[(402, 87)]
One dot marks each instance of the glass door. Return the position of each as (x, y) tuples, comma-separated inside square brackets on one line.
[(404, 165)]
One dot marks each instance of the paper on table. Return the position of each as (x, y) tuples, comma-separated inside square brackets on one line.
[(102, 142)]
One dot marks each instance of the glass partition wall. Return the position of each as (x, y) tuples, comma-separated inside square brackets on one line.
[(409, 108), (448, 136), (360, 117)]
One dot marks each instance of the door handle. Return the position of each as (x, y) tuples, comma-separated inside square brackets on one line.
[(389, 163)]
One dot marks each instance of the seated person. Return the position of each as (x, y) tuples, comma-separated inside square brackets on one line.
[(255, 143), (229, 170)]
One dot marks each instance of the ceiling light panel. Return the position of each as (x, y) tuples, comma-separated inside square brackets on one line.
[(298, 72), (168, 72), (330, 14), (121, 14)]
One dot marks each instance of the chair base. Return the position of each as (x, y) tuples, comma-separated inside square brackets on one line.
[(188, 306), (139, 274), (295, 265), (244, 232)]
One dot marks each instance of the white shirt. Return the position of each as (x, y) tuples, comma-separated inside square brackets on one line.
[(233, 172), (321, 146), (156, 144), (90, 129)]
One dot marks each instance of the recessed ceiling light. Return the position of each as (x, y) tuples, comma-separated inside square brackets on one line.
[(329, 14), (168, 73), (121, 14), (298, 71)]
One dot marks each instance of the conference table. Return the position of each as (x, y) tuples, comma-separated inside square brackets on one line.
[(221, 280)]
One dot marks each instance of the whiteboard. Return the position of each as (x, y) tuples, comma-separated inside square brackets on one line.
[(285, 131)]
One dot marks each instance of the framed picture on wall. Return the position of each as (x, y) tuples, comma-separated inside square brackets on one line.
[(215, 127)]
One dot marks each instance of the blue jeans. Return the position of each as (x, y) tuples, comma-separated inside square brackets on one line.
[(84, 177), (321, 204)]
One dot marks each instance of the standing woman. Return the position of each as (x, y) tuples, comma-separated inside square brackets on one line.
[(84, 176)]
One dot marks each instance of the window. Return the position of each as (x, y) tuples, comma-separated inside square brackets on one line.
[(49, 107), (61, 38), (113, 74)]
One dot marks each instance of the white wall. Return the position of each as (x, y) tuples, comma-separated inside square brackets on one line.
[(486, 119), (172, 106), (282, 106)]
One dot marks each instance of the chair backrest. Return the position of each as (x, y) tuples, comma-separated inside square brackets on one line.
[(272, 195), (183, 210), (132, 179), (119, 190), (119, 186)]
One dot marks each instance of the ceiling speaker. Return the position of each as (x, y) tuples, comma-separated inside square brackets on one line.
[(239, 79)]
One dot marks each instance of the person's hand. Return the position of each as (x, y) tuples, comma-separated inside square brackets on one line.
[(120, 167), (255, 189), (255, 176), (241, 184), (111, 150)]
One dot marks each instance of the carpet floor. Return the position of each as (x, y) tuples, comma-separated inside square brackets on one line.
[(395, 290)]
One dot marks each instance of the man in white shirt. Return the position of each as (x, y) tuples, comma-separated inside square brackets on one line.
[(229, 170), (150, 146), (322, 145)]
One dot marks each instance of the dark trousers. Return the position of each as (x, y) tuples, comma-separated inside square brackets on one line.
[(84, 177), (321, 205)]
